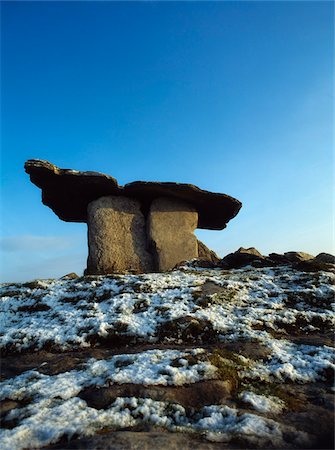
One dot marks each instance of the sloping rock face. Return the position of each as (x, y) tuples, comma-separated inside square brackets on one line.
[(206, 253), (117, 237), (68, 193), (171, 224)]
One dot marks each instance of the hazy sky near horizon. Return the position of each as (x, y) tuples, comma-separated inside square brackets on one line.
[(235, 97)]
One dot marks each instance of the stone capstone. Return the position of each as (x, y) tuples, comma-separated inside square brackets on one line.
[(68, 192), (171, 224), (117, 237)]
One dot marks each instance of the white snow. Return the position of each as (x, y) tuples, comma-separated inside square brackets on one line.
[(50, 420), (136, 306), (293, 362), (262, 403), (152, 367)]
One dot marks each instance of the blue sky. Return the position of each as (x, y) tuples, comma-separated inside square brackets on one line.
[(235, 97)]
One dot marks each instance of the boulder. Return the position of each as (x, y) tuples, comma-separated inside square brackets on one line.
[(296, 257), (171, 224), (243, 257), (117, 237), (68, 192), (206, 254), (325, 258)]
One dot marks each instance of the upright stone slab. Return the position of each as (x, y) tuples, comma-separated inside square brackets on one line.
[(116, 237), (171, 224)]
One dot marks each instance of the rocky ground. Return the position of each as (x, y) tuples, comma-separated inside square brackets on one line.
[(202, 358)]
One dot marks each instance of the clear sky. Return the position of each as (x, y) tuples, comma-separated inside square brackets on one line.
[(235, 97)]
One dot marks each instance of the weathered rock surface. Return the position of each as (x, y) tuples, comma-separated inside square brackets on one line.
[(171, 224), (117, 237), (68, 193)]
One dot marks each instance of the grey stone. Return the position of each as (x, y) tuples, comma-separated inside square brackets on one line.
[(117, 237), (171, 224)]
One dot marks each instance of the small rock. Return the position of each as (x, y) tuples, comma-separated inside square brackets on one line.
[(6, 406), (70, 276)]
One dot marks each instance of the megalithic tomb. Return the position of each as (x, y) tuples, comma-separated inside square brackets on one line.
[(140, 227)]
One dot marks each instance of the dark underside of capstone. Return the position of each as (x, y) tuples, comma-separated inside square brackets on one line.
[(68, 193), (141, 227)]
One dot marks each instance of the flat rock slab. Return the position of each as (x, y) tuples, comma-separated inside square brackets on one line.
[(116, 237), (68, 193), (171, 225)]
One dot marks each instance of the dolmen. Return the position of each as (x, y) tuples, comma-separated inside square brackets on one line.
[(140, 227)]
